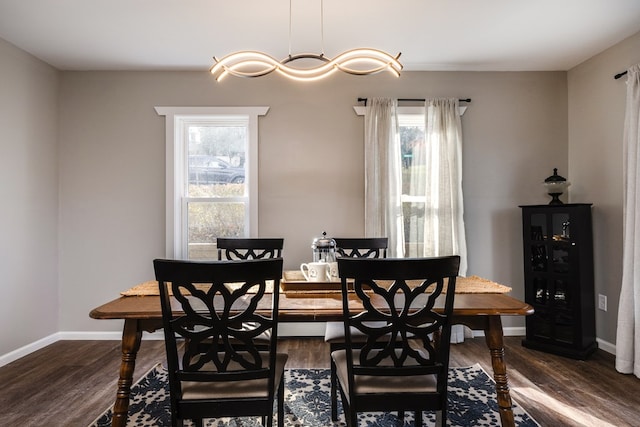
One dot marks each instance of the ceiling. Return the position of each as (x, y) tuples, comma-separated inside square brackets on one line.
[(479, 35)]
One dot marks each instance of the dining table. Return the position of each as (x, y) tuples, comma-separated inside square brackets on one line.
[(479, 308)]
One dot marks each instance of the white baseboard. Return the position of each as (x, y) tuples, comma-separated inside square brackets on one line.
[(606, 346), (106, 336), (14, 355), (513, 331), (309, 329), (298, 329)]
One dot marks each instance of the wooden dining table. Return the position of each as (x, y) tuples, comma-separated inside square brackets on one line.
[(479, 311)]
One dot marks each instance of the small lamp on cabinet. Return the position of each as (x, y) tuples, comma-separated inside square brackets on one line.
[(556, 185)]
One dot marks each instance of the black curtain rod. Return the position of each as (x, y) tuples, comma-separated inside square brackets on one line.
[(617, 76), (412, 99)]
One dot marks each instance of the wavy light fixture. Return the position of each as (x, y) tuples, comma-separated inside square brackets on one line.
[(361, 62)]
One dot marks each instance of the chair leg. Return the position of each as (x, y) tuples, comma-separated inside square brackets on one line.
[(440, 419), (198, 422), (334, 392), (352, 418), (281, 402), (418, 418)]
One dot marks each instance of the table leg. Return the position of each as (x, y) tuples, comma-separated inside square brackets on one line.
[(495, 342), (131, 337)]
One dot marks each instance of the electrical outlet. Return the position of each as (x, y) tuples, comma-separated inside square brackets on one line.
[(602, 302)]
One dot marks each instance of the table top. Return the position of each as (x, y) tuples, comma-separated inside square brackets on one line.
[(317, 307)]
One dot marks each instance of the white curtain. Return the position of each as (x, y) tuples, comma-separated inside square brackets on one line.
[(383, 207), (628, 332), (443, 219), (443, 222), (437, 175)]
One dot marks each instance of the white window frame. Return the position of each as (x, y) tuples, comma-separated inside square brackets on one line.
[(175, 164)]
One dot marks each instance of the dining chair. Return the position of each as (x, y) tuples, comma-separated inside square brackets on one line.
[(352, 247), (362, 247), (403, 363), (238, 248), (249, 247), (205, 302)]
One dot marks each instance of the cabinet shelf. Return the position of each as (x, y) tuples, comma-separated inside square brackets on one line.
[(558, 273)]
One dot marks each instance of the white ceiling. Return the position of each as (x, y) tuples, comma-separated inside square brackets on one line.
[(495, 35)]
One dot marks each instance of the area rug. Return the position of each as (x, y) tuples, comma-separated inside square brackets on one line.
[(472, 402)]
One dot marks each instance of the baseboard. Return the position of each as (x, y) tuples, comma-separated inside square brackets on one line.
[(514, 331), (106, 336), (310, 329), (606, 346), (14, 355)]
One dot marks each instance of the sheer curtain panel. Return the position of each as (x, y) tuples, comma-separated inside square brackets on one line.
[(443, 223), (628, 332), (383, 206)]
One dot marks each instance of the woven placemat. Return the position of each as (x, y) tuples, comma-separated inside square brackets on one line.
[(464, 285), (478, 285)]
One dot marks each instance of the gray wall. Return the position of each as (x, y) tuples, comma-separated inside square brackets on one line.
[(311, 142), (73, 241), (596, 121), (29, 193)]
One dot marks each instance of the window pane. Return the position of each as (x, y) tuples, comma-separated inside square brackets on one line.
[(216, 160), (208, 221), (413, 182)]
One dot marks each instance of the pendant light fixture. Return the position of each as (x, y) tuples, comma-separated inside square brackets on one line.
[(360, 62)]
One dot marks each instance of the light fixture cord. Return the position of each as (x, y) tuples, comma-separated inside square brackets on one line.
[(289, 28), (322, 27)]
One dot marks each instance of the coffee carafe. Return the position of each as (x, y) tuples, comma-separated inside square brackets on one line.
[(324, 249)]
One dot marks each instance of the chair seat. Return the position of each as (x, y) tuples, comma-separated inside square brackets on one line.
[(367, 384), (193, 390), (334, 332)]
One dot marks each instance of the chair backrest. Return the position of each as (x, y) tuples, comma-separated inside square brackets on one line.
[(221, 304), (231, 248), (362, 247), (406, 332)]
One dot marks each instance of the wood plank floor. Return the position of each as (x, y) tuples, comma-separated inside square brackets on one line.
[(69, 383)]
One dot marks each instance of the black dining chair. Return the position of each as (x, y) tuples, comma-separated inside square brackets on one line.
[(361, 247), (207, 303), (351, 247), (249, 247), (238, 248), (403, 363)]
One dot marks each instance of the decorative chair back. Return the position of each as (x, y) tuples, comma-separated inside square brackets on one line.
[(208, 340), (403, 331), (362, 247), (249, 248)]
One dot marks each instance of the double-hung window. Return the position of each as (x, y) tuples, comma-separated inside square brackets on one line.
[(411, 125), (211, 177)]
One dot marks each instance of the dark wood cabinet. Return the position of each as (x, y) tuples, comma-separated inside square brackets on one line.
[(558, 279)]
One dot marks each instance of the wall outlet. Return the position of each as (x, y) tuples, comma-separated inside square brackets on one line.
[(602, 302)]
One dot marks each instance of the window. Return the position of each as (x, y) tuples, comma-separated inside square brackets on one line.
[(414, 195), (211, 179), (422, 203)]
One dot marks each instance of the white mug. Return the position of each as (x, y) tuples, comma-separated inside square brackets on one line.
[(315, 271), (333, 272)]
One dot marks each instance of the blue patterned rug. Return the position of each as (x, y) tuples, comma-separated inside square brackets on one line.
[(472, 402)]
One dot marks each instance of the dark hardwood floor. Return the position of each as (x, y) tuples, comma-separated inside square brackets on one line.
[(70, 383)]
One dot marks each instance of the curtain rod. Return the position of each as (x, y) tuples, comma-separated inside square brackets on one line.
[(413, 99), (617, 76)]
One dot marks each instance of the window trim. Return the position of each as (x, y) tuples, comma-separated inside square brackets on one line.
[(175, 161)]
